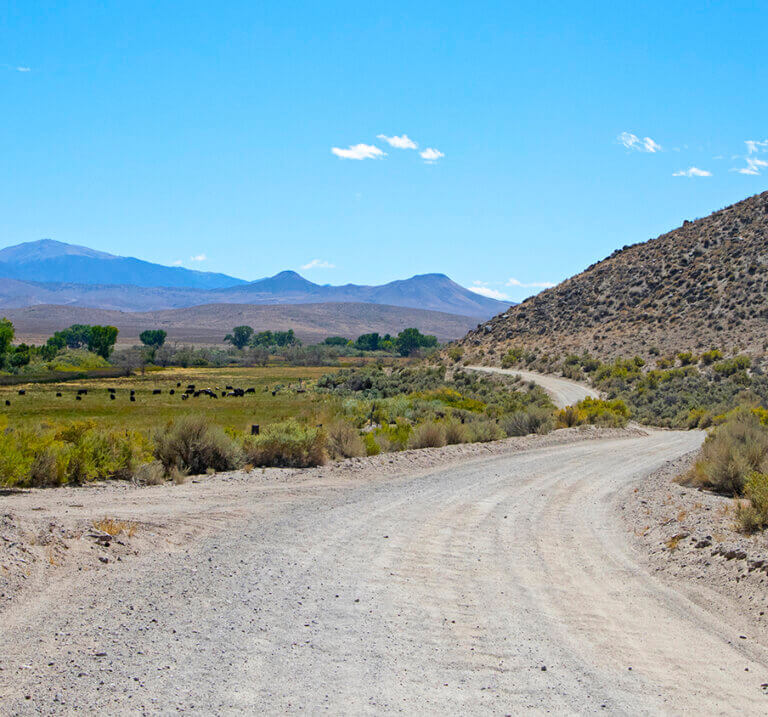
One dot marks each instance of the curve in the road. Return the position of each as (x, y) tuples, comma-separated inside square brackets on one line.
[(563, 391), (500, 585)]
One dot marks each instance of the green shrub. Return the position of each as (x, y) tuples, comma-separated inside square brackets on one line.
[(455, 432), (604, 412), (729, 367), (569, 417), (289, 445), (731, 452), (523, 423), (372, 448), (427, 435), (512, 357), (753, 515), (485, 431), (344, 441), (193, 444), (455, 353), (709, 357), (686, 358)]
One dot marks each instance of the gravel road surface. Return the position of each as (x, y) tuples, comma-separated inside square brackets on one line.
[(497, 585), (562, 391)]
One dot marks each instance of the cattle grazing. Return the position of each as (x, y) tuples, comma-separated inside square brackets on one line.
[(228, 388), (78, 398), (82, 391), (133, 399), (112, 397), (7, 403), (178, 384), (184, 397), (172, 392), (156, 391), (58, 394), (111, 390), (22, 392), (191, 387), (250, 390), (255, 429)]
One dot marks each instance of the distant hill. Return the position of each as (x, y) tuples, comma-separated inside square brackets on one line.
[(209, 324), (52, 261), (49, 272), (700, 286)]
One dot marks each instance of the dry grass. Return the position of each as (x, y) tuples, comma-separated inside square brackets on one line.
[(114, 527)]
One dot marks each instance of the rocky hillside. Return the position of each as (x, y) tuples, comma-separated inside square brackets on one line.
[(700, 286)]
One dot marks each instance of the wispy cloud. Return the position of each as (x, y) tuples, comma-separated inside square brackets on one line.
[(639, 144), (318, 264), (530, 285), (198, 257), (401, 142), (430, 155), (178, 262), (359, 151), (482, 288), (23, 69), (754, 166), (692, 172), (754, 146)]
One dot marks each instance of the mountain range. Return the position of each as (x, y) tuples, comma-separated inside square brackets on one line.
[(703, 285), (51, 272)]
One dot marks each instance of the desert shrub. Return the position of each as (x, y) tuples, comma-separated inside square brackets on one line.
[(523, 423), (485, 431), (74, 453), (427, 435), (289, 445), (686, 358), (732, 366), (372, 448), (455, 432), (151, 473), (752, 516), (709, 357), (455, 353), (512, 357), (569, 417), (344, 441), (193, 444), (604, 412), (394, 437), (731, 452)]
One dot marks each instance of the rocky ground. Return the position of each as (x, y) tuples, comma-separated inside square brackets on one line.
[(687, 535)]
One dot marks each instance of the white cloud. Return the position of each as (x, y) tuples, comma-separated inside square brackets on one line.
[(644, 144), (753, 146), (692, 172), (198, 257), (178, 262), (486, 291), (430, 155), (531, 285), (402, 142), (754, 166), (318, 264), (359, 151), (23, 69)]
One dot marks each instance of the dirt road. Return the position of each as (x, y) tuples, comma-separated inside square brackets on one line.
[(498, 585), (563, 391)]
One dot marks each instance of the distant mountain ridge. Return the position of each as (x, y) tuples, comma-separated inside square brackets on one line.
[(50, 272), (52, 261)]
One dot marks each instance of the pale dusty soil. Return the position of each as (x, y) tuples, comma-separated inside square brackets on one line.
[(502, 582), (563, 391), (689, 539)]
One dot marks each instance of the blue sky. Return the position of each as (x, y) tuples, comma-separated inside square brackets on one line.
[(204, 133)]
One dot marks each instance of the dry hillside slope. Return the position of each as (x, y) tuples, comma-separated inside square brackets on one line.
[(702, 285)]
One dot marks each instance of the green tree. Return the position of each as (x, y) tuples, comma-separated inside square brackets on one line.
[(368, 342), (19, 356), (7, 332), (102, 340), (240, 336), (154, 338), (410, 340), (336, 341), (76, 336)]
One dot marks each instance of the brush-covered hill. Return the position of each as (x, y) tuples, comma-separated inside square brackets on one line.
[(700, 286)]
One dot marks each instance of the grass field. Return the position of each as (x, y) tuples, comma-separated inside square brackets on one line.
[(40, 404)]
